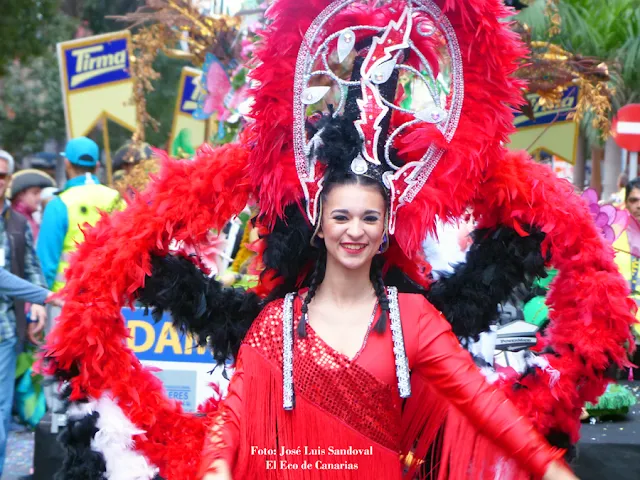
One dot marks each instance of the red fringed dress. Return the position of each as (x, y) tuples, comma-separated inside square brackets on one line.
[(349, 421)]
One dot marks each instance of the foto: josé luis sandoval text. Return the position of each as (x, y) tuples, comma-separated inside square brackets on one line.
[(307, 450)]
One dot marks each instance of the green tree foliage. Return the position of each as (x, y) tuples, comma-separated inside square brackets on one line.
[(607, 30), (95, 13), (31, 108), (161, 102), (24, 27)]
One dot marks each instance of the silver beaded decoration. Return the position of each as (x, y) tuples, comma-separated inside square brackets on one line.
[(287, 352), (444, 116), (402, 363)]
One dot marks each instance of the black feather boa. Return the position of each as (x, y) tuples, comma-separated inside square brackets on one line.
[(499, 261), (80, 462), (210, 312)]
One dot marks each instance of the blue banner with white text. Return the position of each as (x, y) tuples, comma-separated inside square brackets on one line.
[(97, 64)]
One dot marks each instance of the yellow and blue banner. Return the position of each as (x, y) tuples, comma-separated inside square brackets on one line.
[(190, 93), (95, 74), (552, 128), (185, 369)]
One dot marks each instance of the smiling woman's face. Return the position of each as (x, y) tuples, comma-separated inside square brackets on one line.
[(353, 219)]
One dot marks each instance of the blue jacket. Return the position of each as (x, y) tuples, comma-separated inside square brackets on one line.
[(32, 273), (13, 286), (55, 223)]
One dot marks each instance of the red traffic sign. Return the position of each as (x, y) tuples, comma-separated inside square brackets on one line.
[(626, 127)]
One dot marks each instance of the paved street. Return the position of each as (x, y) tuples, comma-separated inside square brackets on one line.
[(19, 454)]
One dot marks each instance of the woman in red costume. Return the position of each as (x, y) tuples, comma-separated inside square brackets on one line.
[(371, 120), (345, 348)]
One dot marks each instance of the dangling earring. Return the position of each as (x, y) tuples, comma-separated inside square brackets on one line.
[(385, 244)]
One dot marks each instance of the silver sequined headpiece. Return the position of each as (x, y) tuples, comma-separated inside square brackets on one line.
[(324, 70)]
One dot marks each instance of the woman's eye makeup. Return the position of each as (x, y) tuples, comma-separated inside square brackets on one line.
[(367, 218)]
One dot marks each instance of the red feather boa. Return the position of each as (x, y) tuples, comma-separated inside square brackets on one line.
[(185, 202), (591, 313)]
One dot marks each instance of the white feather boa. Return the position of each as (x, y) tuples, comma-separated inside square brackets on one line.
[(114, 440)]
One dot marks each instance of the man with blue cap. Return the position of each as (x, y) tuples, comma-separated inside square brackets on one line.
[(80, 202)]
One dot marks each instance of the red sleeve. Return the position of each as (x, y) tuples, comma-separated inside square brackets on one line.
[(223, 440), (451, 371)]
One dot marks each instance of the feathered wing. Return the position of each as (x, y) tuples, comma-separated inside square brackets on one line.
[(590, 312), (486, 118), (88, 344), (532, 216), (499, 261), (211, 313)]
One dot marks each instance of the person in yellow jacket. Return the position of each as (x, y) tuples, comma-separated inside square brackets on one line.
[(627, 246), (80, 202)]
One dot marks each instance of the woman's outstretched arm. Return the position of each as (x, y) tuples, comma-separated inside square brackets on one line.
[(451, 372)]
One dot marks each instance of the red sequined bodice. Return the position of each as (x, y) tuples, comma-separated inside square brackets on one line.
[(330, 380)]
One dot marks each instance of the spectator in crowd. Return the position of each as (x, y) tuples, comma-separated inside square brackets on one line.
[(132, 165), (131, 154), (627, 246), (15, 287), (24, 193), (79, 202), (17, 255), (618, 198)]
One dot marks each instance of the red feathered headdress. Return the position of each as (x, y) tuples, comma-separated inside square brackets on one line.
[(430, 152)]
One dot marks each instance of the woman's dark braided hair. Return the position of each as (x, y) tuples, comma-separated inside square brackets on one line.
[(316, 279), (381, 293), (317, 276)]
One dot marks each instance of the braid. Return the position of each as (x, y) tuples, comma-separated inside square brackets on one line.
[(381, 293), (316, 279)]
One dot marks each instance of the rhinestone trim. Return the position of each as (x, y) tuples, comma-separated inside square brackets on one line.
[(402, 363), (302, 65), (287, 352), (457, 74), (306, 59)]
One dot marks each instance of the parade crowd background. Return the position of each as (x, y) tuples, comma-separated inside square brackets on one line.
[(585, 68)]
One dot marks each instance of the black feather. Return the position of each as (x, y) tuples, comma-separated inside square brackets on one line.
[(213, 314), (288, 247), (341, 143), (561, 440), (498, 261), (80, 462)]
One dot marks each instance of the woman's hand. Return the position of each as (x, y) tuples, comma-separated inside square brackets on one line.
[(557, 471), (53, 299), (219, 470)]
